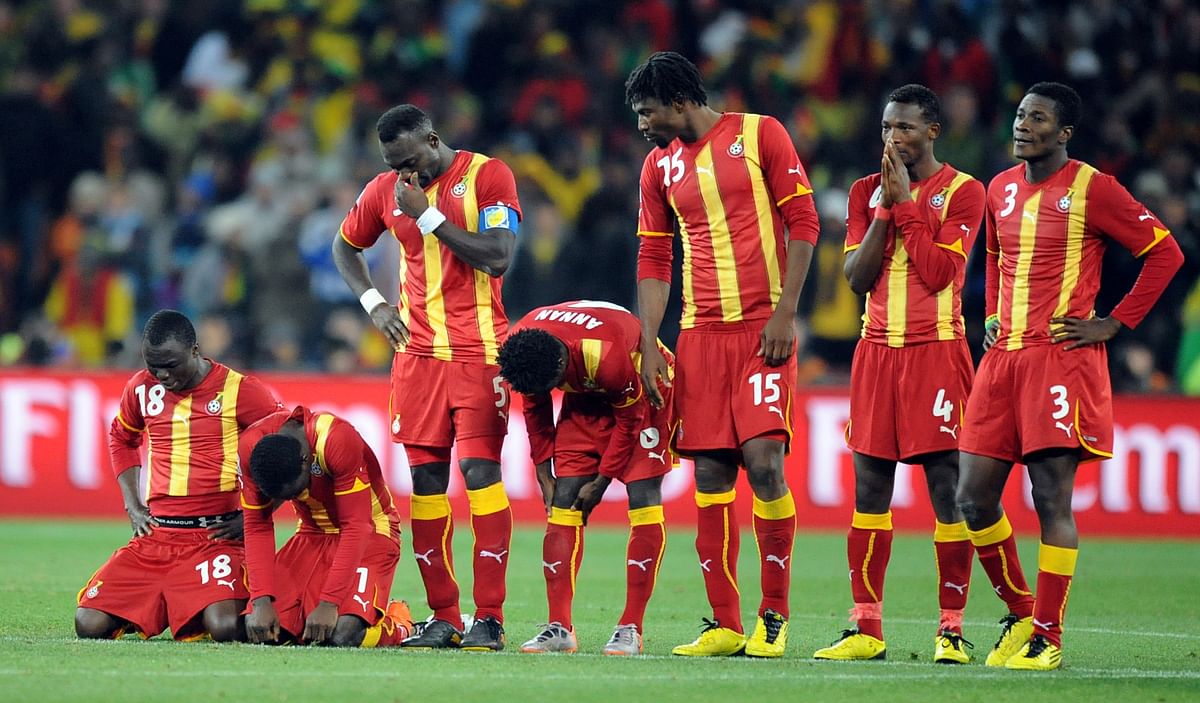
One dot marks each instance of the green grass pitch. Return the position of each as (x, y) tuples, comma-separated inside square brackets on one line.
[(1133, 633)]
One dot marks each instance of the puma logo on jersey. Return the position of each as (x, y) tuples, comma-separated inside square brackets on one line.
[(499, 557), (706, 171), (782, 561), (952, 431), (1043, 625), (225, 582), (179, 418), (797, 170), (661, 456), (965, 229), (704, 564), (777, 411), (962, 589), (640, 564), (1028, 215), (996, 589), (552, 568), (629, 388), (362, 602), (1065, 428), (1145, 216), (425, 557)]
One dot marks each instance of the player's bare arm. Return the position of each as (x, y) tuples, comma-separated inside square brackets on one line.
[(590, 495), (778, 337), (545, 479), (490, 250), (352, 265), (230, 529), (1079, 333), (140, 519), (652, 305), (262, 624)]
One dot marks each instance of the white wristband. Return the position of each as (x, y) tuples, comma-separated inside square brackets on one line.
[(371, 299), (430, 220)]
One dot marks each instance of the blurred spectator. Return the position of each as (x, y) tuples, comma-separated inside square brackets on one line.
[(92, 302)]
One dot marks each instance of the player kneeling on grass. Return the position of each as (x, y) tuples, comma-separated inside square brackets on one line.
[(606, 429), (330, 582)]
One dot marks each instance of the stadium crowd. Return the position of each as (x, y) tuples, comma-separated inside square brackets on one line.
[(200, 155)]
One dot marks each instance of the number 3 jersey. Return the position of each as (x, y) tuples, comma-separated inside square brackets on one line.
[(192, 437)]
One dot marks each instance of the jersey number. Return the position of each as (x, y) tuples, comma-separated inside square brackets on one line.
[(941, 407), (1010, 199), (1060, 402), (501, 391), (151, 401), (672, 167), (766, 387), (220, 568), (362, 579)]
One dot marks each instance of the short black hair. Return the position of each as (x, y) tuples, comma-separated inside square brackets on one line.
[(169, 324), (1067, 103), (402, 119), (667, 76), (275, 463), (529, 360), (922, 97)]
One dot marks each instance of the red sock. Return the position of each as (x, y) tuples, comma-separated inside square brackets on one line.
[(868, 549), (997, 550), (647, 539), (717, 542), (491, 523), (952, 554), (1056, 567), (432, 539), (562, 553), (774, 534)]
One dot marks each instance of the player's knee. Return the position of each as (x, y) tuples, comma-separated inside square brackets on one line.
[(91, 624), (767, 481), (480, 473), (223, 626), (1050, 502), (972, 510), (430, 479)]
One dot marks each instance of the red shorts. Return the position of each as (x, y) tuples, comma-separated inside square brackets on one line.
[(585, 426), (1038, 398), (725, 394), (167, 579), (435, 402), (908, 401), (303, 563)]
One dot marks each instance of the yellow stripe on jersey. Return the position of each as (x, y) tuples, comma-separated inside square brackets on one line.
[(1159, 235), (379, 518), (687, 318), (945, 297), (648, 233), (181, 447), (229, 431), (483, 282), (319, 514), (897, 289), (1076, 222), (591, 349), (435, 303), (762, 205), (405, 308), (127, 426), (1019, 315), (359, 485), (720, 236), (324, 422)]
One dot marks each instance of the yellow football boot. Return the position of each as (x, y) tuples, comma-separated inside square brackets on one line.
[(770, 636), (853, 646), (1038, 654), (949, 648), (714, 641), (1013, 637)]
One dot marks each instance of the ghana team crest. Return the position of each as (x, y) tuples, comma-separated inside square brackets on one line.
[(459, 189), (314, 469), (937, 200), (214, 405), (94, 590), (736, 149), (1064, 203)]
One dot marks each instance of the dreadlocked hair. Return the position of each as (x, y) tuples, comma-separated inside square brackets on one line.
[(529, 361), (668, 77)]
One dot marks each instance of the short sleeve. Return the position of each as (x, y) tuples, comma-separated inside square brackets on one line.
[(364, 223), (497, 186), (654, 212), (859, 212)]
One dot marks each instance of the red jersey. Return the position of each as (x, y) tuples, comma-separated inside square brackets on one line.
[(918, 295), (604, 359), (452, 310), (193, 438), (1046, 241), (732, 192), (346, 495)]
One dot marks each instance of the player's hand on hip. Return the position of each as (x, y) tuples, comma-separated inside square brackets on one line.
[(590, 494), (778, 339), (230, 529), (410, 197), (262, 624), (140, 519), (546, 482), (320, 623), (654, 369), (1096, 330), (387, 320)]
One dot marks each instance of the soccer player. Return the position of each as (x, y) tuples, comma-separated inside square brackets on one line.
[(734, 184), (455, 215), (606, 429), (183, 567), (330, 583), (1042, 394), (908, 230)]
